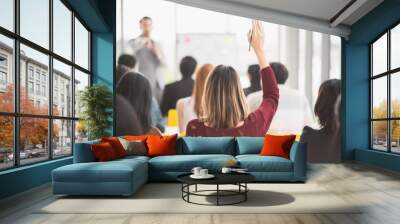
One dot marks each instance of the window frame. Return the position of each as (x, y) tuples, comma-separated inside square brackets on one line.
[(388, 74), (16, 114)]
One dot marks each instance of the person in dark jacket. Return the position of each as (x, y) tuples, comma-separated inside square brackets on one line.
[(125, 64), (135, 88), (253, 72), (323, 144), (179, 89)]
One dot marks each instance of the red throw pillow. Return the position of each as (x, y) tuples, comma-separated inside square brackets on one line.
[(277, 145), (103, 152), (161, 145), (116, 145)]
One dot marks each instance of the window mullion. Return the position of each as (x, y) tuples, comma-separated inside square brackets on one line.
[(73, 83), (16, 84), (50, 81), (389, 101)]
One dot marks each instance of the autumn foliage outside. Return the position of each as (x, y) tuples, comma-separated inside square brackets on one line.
[(33, 131)]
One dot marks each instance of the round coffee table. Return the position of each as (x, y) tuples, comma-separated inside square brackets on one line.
[(238, 179)]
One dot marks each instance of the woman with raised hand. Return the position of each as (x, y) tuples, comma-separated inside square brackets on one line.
[(225, 110)]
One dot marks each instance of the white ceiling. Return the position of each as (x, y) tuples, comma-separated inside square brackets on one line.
[(319, 9), (312, 15)]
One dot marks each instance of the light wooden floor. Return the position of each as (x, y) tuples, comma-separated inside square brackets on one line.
[(379, 189)]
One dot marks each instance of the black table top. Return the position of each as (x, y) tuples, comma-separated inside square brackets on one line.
[(220, 178)]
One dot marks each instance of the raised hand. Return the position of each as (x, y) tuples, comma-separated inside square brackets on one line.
[(256, 35), (256, 40)]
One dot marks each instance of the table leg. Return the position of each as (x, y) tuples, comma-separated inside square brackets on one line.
[(195, 188), (245, 193), (188, 190), (217, 194)]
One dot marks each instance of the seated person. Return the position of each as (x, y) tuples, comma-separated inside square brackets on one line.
[(253, 72), (135, 88), (179, 89), (125, 64), (225, 109), (190, 108), (323, 145), (294, 111)]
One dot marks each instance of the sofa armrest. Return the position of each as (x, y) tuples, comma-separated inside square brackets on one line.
[(83, 152), (298, 155)]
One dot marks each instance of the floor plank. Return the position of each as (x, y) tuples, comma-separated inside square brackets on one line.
[(377, 190)]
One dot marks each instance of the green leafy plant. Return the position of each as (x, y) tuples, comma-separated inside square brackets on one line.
[(96, 102)]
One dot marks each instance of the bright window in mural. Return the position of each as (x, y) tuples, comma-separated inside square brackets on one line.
[(39, 69), (385, 92)]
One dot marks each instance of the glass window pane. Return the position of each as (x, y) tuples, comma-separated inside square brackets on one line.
[(34, 96), (395, 47), (81, 131), (33, 140), (395, 136), (62, 29), (35, 21), (379, 97), (7, 14), (6, 74), (335, 58), (62, 89), (379, 55), (62, 138), (81, 45), (81, 81), (379, 135), (395, 95), (6, 142)]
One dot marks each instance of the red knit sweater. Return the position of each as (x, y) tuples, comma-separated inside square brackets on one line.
[(256, 123)]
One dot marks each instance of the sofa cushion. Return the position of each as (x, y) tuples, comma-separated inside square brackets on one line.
[(83, 152), (116, 145), (185, 163), (277, 145), (103, 152), (161, 145), (257, 163), (249, 145), (112, 171), (206, 145)]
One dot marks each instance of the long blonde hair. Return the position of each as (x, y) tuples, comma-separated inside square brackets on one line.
[(198, 90), (224, 102)]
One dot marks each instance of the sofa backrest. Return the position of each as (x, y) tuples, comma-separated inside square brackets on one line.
[(206, 145), (249, 145), (83, 152)]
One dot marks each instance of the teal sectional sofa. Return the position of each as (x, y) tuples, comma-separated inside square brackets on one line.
[(125, 176)]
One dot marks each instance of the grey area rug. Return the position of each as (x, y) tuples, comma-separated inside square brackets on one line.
[(166, 198)]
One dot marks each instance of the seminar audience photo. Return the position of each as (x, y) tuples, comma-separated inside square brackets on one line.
[(215, 104)]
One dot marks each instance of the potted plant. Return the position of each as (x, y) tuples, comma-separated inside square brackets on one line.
[(96, 103)]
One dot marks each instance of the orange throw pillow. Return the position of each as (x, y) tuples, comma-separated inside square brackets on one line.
[(135, 137), (103, 152), (161, 145), (277, 145), (116, 145)]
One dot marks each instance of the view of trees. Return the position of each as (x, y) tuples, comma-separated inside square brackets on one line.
[(380, 127), (33, 132)]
